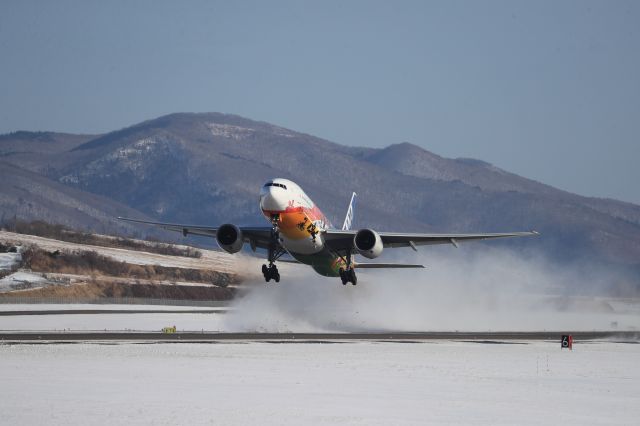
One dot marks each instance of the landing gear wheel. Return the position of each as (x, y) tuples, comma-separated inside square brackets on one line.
[(265, 273), (275, 251), (343, 276), (352, 276), (348, 276), (270, 273)]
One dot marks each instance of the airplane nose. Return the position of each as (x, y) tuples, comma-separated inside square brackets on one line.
[(273, 200)]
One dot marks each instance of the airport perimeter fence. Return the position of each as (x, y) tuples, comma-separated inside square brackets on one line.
[(113, 301)]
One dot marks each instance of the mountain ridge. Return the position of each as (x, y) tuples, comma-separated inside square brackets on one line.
[(207, 168)]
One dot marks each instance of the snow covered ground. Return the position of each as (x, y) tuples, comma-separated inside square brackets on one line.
[(362, 383), (21, 279), (240, 321), (206, 321), (315, 308), (114, 322), (8, 307), (7, 260)]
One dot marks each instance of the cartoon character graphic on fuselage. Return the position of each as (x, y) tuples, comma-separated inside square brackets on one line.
[(299, 228)]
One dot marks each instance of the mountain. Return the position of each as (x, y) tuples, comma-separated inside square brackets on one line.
[(207, 168), (29, 188), (411, 160), (29, 196)]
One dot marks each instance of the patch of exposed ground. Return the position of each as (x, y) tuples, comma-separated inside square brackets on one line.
[(51, 268), (60, 269), (87, 274), (62, 233), (113, 288), (92, 263), (209, 260)]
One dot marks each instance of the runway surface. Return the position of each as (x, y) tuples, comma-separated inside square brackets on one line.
[(112, 311), (208, 337)]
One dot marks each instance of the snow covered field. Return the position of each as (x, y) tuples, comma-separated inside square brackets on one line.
[(248, 316), (9, 307), (20, 278), (362, 383), (111, 321), (7, 260)]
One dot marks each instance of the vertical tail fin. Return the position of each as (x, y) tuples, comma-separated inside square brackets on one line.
[(348, 220)]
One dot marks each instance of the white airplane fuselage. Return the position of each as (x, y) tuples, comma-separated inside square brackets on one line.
[(300, 224)]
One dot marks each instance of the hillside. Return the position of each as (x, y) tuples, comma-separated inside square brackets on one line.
[(45, 267), (28, 196), (207, 169)]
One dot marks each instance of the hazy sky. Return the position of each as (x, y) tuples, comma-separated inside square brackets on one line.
[(548, 90)]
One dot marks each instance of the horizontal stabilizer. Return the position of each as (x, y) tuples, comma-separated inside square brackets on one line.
[(368, 265), (385, 265)]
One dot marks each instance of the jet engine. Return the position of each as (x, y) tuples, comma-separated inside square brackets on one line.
[(368, 243), (229, 238)]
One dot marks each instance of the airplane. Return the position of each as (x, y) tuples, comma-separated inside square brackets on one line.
[(299, 228)]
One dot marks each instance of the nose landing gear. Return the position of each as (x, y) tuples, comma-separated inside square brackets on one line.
[(275, 251)]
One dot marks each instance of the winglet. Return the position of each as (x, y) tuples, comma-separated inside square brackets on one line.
[(348, 220)]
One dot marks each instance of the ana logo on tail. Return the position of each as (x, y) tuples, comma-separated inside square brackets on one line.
[(348, 220)]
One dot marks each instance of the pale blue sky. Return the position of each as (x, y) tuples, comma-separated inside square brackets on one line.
[(549, 90)]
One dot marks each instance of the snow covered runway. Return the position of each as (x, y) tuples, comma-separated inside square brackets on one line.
[(303, 383)]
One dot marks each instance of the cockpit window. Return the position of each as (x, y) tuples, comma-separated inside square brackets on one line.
[(275, 184)]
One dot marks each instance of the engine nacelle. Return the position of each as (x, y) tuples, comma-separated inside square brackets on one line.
[(368, 243), (229, 238)]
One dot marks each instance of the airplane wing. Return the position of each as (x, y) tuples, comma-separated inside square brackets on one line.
[(343, 240), (256, 236)]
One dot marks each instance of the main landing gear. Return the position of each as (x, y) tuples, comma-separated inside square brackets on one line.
[(275, 251), (271, 273), (349, 274)]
